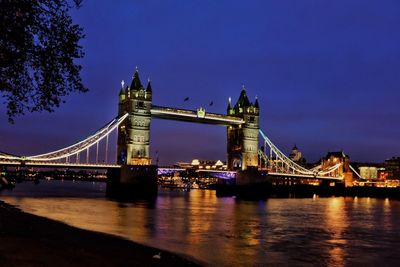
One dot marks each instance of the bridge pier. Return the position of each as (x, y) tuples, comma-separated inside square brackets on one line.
[(132, 181), (251, 176)]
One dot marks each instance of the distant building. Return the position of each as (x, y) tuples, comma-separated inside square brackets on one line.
[(184, 165), (382, 174), (203, 164), (297, 156), (332, 159), (368, 172), (392, 167)]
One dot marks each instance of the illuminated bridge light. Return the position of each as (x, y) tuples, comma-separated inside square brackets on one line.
[(276, 162)]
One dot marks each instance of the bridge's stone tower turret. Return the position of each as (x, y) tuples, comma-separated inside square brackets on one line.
[(242, 140), (134, 133)]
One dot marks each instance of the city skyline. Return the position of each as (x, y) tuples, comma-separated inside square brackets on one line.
[(325, 75)]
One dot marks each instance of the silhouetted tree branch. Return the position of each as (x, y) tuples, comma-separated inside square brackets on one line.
[(38, 46)]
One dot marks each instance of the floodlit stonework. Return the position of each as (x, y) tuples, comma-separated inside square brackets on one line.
[(134, 133), (242, 140)]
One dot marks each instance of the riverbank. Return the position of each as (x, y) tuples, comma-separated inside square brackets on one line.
[(30, 240)]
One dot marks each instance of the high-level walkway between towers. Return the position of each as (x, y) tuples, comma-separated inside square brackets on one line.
[(199, 116)]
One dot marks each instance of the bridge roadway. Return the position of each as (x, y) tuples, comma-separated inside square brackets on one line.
[(194, 116), (69, 165), (292, 175), (226, 174)]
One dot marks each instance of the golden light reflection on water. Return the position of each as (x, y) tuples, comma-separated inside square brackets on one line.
[(232, 232), (336, 223)]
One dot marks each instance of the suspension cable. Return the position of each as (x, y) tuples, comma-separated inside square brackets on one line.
[(80, 146), (284, 160)]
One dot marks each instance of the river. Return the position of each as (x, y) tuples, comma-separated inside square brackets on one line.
[(333, 231)]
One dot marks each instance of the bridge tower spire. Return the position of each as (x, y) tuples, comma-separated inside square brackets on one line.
[(242, 140)]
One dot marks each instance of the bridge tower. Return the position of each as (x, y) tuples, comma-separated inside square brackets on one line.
[(137, 177), (134, 133), (242, 140)]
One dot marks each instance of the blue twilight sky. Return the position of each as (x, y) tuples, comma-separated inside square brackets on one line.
[(327, 74)]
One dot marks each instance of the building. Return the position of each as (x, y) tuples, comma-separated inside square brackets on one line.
[(297, 156), (392, 167), (204, 164), (368, 172), (382, 174)]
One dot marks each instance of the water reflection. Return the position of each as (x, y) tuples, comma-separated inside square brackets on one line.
[(336, 222), (228, 231)]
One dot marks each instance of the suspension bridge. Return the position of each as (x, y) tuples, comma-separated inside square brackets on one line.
[(77, 155), (132, 128)]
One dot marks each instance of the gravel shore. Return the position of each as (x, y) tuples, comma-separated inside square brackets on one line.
[(29, 240)]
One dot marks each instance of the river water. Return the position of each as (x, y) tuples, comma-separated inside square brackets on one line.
[(226, 231)]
